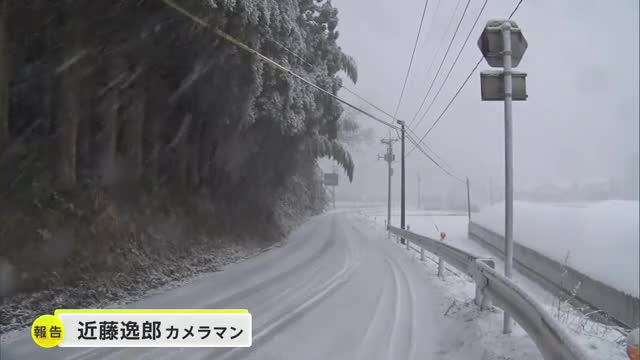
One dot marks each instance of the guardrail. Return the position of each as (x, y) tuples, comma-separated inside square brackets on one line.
[(549, 336), (555, 276)]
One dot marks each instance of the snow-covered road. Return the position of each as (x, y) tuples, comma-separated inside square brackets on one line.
[(335, 289)]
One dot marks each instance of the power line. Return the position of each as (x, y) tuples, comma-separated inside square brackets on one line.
[(433, 20), (352, 92), (299, 77), (516, 9), (439, 90), (441, 63), (397, 133), (413, 53), (413, 141), (435, 154), (287, 50), (455, 61), (446, 168), (461, 87), (440, 44), (414, 136), (465, 82), (450, 102), (268, 60), (411, 136)]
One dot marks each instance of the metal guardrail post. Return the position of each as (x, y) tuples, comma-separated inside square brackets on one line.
[(478, 298), (421, 253), (482, 299), (440, 261), (386, 226)]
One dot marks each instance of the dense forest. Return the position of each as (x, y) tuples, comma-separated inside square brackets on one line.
[(136, 106)]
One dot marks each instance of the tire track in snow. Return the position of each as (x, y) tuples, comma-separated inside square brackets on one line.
[(377, 322), (311, 258), (328, 288), (394, 349), (409, 313), (404, 299), (303, 284)]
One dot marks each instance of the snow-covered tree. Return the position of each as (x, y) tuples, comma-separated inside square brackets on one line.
[(135, 92)]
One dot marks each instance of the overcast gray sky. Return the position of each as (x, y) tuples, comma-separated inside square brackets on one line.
[(581, 118)]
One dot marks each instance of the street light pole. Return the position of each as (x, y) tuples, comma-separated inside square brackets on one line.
[(508, 160)]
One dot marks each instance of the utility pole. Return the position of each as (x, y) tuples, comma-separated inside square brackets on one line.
[(333, 189), (490, 191), (419, 179), (468, 200), (402, 178), (389, 157), (333, 196)]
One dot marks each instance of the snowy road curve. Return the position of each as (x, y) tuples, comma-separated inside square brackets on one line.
[(334, 289)]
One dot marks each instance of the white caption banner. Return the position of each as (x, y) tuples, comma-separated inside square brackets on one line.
[(131, 329)]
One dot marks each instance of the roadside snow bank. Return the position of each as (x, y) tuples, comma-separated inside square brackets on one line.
[(600, 239)]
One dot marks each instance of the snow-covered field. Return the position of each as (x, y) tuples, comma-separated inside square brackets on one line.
[(600, 239), (428, 223), (485, 328)]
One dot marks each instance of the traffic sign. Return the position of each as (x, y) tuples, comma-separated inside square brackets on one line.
[(503, 45), (331, 179), (492, 85), (491, 43)]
